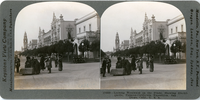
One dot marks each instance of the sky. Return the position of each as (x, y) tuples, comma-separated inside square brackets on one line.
[(122, 17), (40, 15)]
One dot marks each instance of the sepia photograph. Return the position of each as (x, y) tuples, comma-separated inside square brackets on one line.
[(143, 47), (99, 49), (57, 46)]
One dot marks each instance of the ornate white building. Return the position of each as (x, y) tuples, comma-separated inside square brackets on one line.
[(152, 30), (169, 30), (86, 27), (60, 30), (177, 31)]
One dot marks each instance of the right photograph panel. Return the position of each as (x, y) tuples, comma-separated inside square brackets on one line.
[(143, 46)]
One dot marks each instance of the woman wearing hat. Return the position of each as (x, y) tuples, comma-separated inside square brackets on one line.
[(151, 64), (48, 63)]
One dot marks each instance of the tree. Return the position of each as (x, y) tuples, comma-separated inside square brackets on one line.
[(160, 48), (176, 47), (183, 48), (60, 48), (68, 47), (152, 48), (84, 46), (95, 46)]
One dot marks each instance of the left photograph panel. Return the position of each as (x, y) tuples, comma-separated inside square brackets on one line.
[(57, 46)]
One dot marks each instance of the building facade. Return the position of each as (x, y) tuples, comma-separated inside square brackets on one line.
[(87, 27), (177, 31), (60, 30), (166, 31), (152, 30), (124, 45)]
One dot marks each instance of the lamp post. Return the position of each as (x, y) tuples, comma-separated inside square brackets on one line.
[(83, 48), (174, 49)]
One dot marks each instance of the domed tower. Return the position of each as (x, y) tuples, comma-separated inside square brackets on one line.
[(25, 41), (117, 42)]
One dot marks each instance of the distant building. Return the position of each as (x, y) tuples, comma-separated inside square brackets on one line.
[(25, 41), (117, 43), (33, 44), (125, 45), (152, 30)]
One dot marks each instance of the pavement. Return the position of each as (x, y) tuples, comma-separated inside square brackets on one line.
[(164, 77), (73, 76), (87, 76)]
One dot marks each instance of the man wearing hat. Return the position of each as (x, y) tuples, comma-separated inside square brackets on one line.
[(104, 66), (17, 63)]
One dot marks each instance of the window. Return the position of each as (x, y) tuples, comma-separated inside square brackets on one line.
[(181, 28), (84, 28), (176, 29), (90, 27), (79, 30), (171, 30)]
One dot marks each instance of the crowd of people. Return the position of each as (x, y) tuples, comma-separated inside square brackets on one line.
[(42, 64), (136, 63)]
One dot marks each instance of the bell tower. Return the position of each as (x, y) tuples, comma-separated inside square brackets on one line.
[(25, 41), (117, 42)]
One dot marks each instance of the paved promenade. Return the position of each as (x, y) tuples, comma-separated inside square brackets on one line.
[(164, 77), (73, 76)]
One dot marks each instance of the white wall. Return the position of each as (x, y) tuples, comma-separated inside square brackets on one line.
[(93, 21), (176, 22)]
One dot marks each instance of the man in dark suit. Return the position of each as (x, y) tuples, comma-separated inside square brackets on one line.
[(17, 63), (151, 64), (141, 65), (108, 64), (104, 66)]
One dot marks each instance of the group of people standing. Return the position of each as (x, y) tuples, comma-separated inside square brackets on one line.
[(37, 66), (106, 64), (136, 63)]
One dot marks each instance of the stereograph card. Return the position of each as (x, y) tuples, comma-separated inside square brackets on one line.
[(101, 49)]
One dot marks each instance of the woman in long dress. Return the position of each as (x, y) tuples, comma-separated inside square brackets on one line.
[(60, 68)]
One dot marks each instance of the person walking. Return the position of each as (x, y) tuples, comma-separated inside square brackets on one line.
[(48, 63), (140, 64), (17, 63), (108, 64), (128, 67), (60, 65), (36, 66), (42, 65), (133, 63), (56, 61), (147, 63), (151, 64), (104, 67)]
